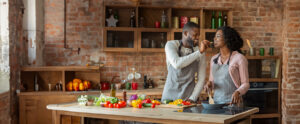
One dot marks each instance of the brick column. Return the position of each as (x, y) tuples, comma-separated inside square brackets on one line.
[(291, 66)]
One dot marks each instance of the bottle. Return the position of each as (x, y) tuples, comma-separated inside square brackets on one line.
[(113, 91), (36, 85), (124, 96), (132, 19), (163, 20), (220, 20), (146, 85), (153, 44), (213, 21), (225, 20), (162, 42), (141, 22)]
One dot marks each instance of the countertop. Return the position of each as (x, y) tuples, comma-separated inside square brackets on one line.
[(149, 114)]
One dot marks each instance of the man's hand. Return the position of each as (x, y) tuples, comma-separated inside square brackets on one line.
[(208, 87), (203, 45)]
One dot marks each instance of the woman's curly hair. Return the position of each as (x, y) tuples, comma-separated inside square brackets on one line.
[(232, 38)]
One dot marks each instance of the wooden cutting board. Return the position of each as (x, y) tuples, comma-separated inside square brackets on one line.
[(174, 106)]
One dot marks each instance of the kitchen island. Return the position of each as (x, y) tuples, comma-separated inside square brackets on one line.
[(155, 115)]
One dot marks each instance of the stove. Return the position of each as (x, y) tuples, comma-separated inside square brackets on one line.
[(223, 111)]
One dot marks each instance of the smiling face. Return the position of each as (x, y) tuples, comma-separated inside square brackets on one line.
[(219, 41), (192, 36)]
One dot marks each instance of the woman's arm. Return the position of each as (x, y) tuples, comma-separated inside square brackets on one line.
[(244, 76)]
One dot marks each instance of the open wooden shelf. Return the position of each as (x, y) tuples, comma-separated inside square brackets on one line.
[(151, 14), (57, 74), (209, 30), (264, 79), (62, 68), (263, 57)]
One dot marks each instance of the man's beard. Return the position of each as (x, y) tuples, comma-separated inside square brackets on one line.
[(190, 42)]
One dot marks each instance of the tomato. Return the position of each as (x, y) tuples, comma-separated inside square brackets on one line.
[(139, 105), (153, 106), (107, 102), (115, 105), (105, 105), (186, 103), (118, 106), (122, 104), (110, 105)]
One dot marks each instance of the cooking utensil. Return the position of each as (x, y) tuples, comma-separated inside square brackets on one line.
[(211, 100), (249, 44), (206, 105)]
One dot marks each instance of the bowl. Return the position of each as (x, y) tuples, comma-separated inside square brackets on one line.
[(206, 105)]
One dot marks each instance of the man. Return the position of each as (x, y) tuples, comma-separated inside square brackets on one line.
[(185, 58)]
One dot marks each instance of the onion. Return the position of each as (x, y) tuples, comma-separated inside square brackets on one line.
[(133, 97)]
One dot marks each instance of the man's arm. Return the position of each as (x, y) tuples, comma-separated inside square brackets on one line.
[(201, 78), (179, 62)]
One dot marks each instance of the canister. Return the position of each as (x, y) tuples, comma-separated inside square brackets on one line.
[(194, 19), (183, 21), (175, 22)]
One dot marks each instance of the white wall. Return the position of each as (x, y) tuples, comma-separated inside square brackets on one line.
[(4, 47)]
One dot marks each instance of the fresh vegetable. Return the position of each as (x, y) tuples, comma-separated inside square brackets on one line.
[(134, 97), (139, 105), (153, 106), (179, 104), (186, 103), (115, 105), (176, 102), (142, 96), (155, 102), (110, 105), (118, 106), (147, 104), (146, 100), (82, 100), (167, 101), (112, 99), (122, 104)]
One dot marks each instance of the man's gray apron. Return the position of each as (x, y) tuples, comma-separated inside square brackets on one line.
[(180, 83), (223, 84)]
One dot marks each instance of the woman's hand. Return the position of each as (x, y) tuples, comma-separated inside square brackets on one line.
[(235, 98), (208, 87)]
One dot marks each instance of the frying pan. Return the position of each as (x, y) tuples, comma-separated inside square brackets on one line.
[(206, 105)]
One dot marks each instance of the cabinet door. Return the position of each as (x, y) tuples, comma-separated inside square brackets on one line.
[(33, 108)]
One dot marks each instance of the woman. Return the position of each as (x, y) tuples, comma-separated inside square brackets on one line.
[(228, 69)]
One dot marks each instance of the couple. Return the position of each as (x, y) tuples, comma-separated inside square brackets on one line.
[(186, 60)]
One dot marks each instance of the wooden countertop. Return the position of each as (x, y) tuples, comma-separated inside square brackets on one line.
[(156, 115)]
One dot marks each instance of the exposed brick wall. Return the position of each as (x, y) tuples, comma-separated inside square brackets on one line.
[(257, 20), (291, 66), (4, 108)]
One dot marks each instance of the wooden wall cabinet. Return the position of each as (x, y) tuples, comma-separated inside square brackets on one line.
[(135, 39), (32, 104)]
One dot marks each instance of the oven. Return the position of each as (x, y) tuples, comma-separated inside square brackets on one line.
[(263, 95)]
